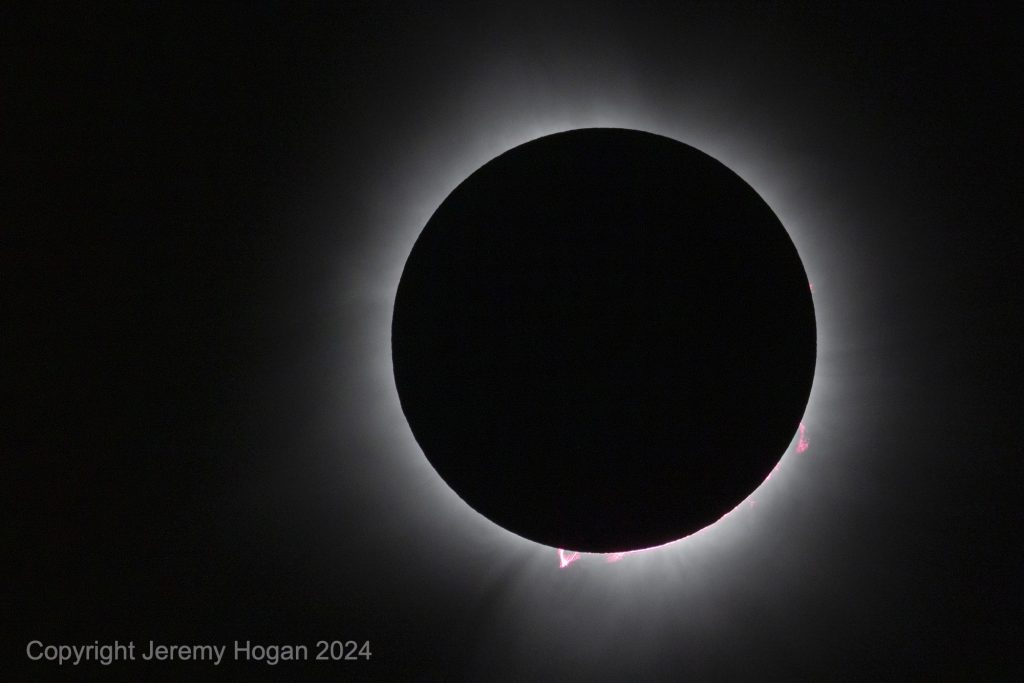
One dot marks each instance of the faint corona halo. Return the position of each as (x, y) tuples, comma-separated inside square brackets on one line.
[(603, 340)]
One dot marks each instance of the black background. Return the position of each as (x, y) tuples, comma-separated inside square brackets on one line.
[(189, 192)]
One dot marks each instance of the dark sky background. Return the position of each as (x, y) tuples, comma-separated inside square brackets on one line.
[(197, 205)]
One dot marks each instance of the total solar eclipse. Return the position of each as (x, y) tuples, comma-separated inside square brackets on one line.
[(603, 340)]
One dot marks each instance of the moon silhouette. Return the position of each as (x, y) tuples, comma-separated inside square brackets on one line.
[(603, 340)]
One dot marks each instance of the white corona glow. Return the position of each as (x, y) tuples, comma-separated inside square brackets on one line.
[(420, 181)]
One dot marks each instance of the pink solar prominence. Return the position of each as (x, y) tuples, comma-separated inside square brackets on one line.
[(568, 557)]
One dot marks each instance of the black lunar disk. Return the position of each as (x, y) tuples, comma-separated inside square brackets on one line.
[(603, 340)]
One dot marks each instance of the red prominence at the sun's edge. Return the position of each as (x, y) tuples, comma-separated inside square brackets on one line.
[(568, 557)]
